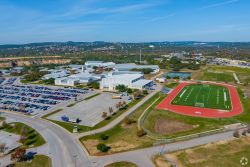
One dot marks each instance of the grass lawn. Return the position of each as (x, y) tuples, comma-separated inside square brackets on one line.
[(172, 85), (122, 137), (81, 128), (34, 139), (224, 74), (121, 164), (38, 161), (179, 123), (204, 95), (222, 154), (215, 76)]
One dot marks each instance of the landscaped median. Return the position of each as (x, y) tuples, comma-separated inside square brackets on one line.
[(28, 136), (38, 161), (121, 164), (70, 126), (124, 136)]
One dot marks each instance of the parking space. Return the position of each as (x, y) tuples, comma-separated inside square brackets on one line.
[(90, 112), (33, 99)]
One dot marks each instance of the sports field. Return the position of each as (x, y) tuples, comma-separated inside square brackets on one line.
[(204, 96), (206, 99)]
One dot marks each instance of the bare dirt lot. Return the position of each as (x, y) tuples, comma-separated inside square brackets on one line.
[(168, 126)]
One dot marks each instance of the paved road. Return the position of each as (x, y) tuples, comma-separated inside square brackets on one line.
[(142, 157), (64, 150)]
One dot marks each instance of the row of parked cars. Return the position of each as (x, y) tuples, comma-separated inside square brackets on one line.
[(10, 81), (25, 93), (2, 80), (31, 98), (50, 91)]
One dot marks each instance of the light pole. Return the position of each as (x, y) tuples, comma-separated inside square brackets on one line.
[(75, 156)]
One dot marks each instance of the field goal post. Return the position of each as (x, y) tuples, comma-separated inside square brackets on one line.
[(199, 105)]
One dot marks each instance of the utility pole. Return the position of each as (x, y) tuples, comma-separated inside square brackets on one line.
[(140, 57)]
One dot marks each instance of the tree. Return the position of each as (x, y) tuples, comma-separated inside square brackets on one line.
[(244, 133), (248, 129), (119, 104), (111, 110), (104, 115), (236, 134), (129, 121), (2, 148), (94, 85), (23, 136), (129, 91), (140, 133), (50, 81), (104, 137), (4, 125), (145, 92), (18, 155), (121, 88), (102, 147)]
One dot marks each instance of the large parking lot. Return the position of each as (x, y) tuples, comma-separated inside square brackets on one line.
[(34, 99), (90, 111)]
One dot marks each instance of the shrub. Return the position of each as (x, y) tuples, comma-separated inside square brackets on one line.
[(129, 121), (140, 133), (145, 92), (129, 91), (236, 134), (102, 147), (244, 133), (104, 137)]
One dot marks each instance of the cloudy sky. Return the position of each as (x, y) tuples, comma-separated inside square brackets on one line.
[(25, 21)]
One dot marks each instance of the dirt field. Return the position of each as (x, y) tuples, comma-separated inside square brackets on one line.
[(168, 126), (224, 153)]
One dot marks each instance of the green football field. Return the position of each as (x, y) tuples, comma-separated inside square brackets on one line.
[(205, 96)]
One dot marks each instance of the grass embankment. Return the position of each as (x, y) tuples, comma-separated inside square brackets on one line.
[(81, 128), (123, 137), (180, 124), (172, 85), (226, 154), (38, 161), (224, 74), (33, 138), (121, 164)]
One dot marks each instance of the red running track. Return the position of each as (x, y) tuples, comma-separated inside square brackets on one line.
[(202, 112)]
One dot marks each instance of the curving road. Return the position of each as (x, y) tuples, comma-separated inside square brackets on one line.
[(64, 150)]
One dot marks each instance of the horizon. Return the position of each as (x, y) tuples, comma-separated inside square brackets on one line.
[(125, 22), (122, 42)]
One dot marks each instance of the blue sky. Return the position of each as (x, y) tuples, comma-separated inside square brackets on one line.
[(25, 21)]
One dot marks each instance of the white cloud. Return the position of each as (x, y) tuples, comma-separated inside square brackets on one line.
[(219, 4)]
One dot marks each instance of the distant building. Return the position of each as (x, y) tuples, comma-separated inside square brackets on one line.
[(128, 67), (99, 64), (17, 70), (56, 74), (133, 81), (81, 78)]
